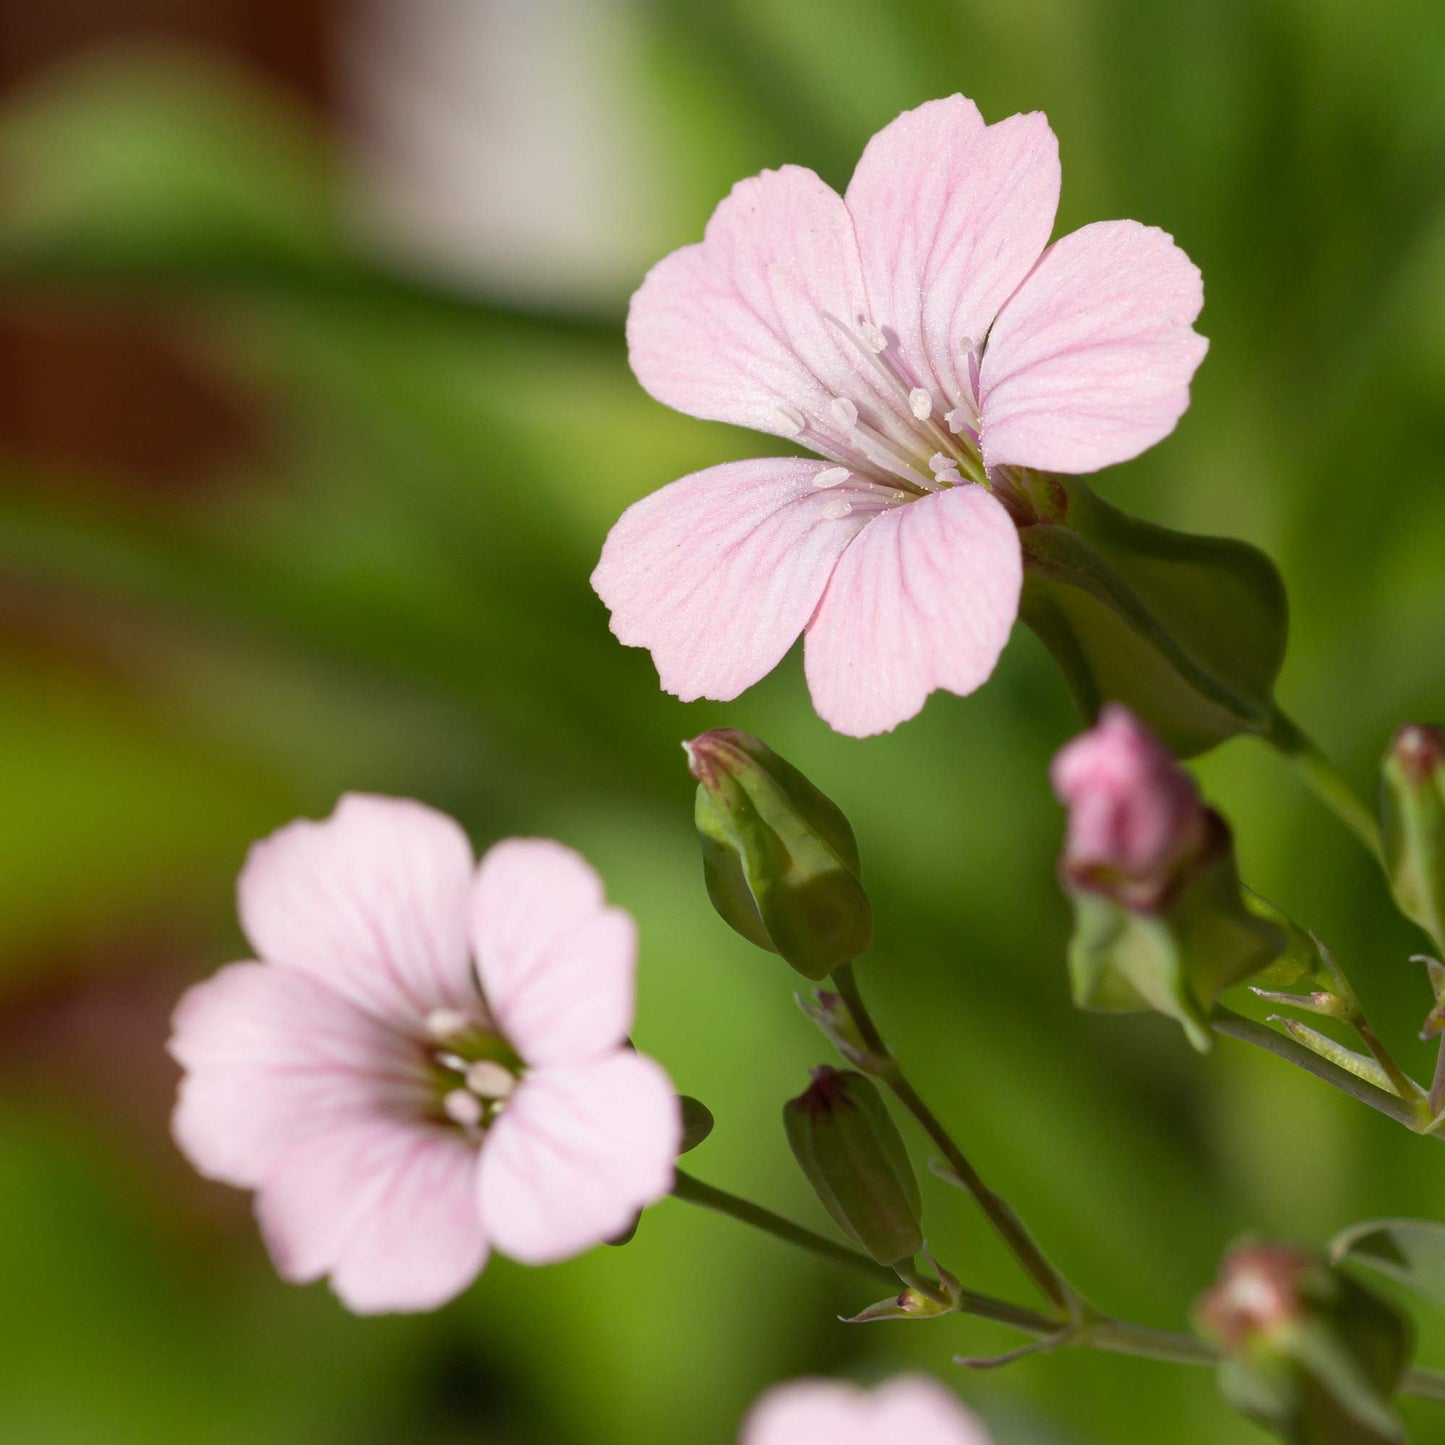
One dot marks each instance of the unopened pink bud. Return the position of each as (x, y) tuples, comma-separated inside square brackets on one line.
[(1134, 813)]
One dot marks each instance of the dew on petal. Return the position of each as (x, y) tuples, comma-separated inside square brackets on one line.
[(839, 507), (920, 403), (831, 477)]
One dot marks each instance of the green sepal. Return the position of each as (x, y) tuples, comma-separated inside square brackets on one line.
[(1175, 960), (779, 858), (697, 1122), (1412, 825), (847, 1144), (1189, 632), (1411, 1251)]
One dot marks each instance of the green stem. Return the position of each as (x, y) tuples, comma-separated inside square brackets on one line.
[(1122, 1338), (1325, 780), (1007, 1224), (694, 1191), (1225, 1021), (1424, 1385)]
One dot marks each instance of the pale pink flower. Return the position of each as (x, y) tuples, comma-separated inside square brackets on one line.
[(1133, 811), (911, 1408), (428, 1062), (921, 336)]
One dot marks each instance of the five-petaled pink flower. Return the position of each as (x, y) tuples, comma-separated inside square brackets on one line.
[(921, 335), (910, 1408), (429, 1061)]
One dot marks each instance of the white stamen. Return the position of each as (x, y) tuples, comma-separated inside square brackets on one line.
[(447, 1023), (844, 412), (952, 477), (957, 419), (792, 420), (873, 338), (831, 477), (839, 507), (941, 462), (967, 344), (490, 1079), (921, 403), (463, 1108)]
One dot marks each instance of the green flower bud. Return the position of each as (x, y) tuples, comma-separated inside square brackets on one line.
[(780, 859), (1412, 808), (849, 1147), (1309, 1352)]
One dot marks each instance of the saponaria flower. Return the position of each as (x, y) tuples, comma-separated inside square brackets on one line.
[(921, 336), (427, 1060), (914, 1408)]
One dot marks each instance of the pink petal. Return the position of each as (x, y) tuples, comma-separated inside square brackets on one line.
[(387, 1207), (1089, 364), (951, 215), (558, 966), (828, 1412), (925, 598), (273, 1056), (717, 574), (373, 901), (736, 329), (577, 1152)]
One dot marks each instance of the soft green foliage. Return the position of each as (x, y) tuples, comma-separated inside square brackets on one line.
[(1409, 1250), (394, 597)]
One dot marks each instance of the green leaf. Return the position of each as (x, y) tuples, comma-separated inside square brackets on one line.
[(1188, 631), (1411, 1251)]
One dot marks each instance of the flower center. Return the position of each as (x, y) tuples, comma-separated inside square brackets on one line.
[(474, 1069), (897, 448)]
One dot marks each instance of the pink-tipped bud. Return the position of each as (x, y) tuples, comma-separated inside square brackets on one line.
[(1134, 814)]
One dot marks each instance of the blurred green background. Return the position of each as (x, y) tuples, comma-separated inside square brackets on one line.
[(316, 414)]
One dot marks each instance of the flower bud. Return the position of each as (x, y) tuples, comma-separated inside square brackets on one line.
[(1309, 1352), (849, 1147), (780, 859), (1160, 917), (1413, 825), (1135, 816)]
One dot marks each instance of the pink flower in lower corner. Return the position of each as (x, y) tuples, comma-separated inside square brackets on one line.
[(427, 1062), (921, 336), (911, 1408)]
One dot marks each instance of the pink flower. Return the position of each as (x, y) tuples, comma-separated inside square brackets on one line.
[(910, 1408), (921, 336), (429, 1061), (1133, 811)]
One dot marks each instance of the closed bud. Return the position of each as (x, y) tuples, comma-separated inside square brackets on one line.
[(849, 1147), (1161, 920), (780, 859), (1136, 820), (1308, 1351), (1413, 825)]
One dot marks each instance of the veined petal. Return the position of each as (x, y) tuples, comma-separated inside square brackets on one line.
[(925, 598), (557, 965), (373, 902), (273, 1056), (832, 1412), (717, 574), (736, 327), (386, 1207), (1089, 363), (951, 215), (577, 1152)]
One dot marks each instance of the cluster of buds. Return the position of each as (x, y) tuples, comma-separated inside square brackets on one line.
[(1161, 920), (1413, 825), (1307, 1351)]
